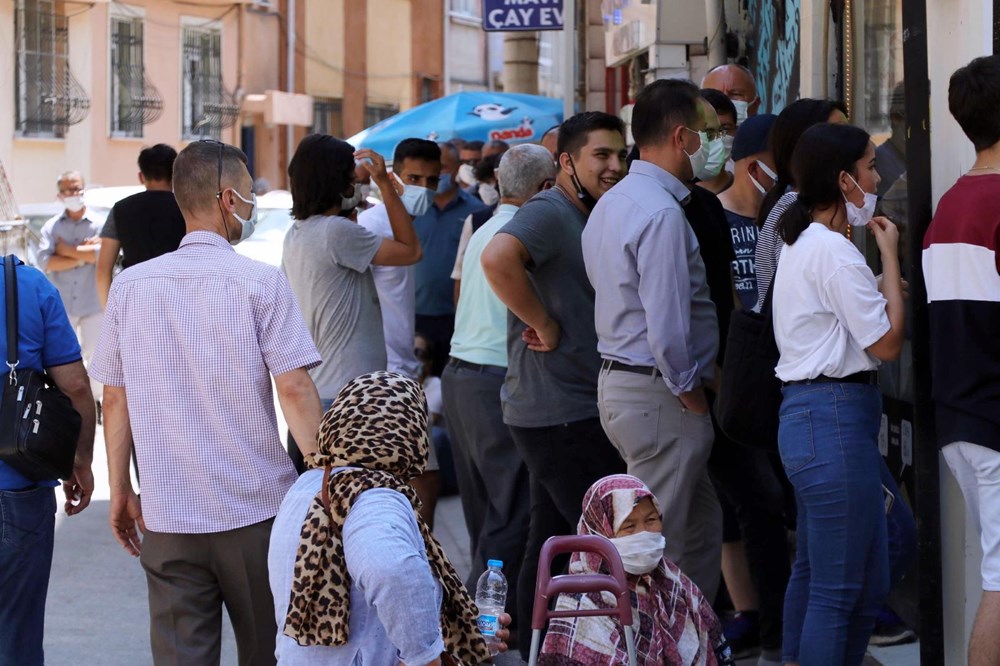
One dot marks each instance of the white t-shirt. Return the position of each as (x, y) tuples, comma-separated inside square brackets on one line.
[(827, 308), (397, 295)]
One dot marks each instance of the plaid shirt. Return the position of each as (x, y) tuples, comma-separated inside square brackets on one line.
[(194, 336)]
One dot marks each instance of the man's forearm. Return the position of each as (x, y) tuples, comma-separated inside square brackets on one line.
[(510, 283), (58, 263), (301, 406), (117, 438)]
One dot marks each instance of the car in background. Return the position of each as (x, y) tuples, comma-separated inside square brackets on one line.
[(274, 219)]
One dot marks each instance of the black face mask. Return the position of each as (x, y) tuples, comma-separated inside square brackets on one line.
[(585, 197)]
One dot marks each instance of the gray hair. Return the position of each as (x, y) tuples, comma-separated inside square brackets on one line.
[(523, 169), (68, 175)]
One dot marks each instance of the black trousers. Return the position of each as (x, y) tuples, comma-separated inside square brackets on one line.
[(437, 329), (563, 462), (492, 477)]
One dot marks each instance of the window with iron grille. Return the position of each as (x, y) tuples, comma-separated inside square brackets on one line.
[(328, 117), (207, 107), (135, 102), (378, 112), (47, 98)]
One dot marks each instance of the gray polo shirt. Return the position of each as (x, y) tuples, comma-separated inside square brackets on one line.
[(552, 388), (652, 300), (77, 286)]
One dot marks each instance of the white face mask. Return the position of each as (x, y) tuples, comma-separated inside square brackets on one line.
[(351, 202), (488, 193), (742, 109), (640, 552), (466, 175), (248, 225), (717, 156), (73, 204), (700, 156), (859, 217), (417, 200), (767, 170)]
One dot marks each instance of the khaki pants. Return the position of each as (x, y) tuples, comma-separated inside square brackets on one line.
[(667, 447), (190, 576)]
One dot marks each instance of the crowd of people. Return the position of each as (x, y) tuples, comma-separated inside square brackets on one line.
[(545, 327)]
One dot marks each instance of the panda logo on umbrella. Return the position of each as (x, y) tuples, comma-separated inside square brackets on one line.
[(492, 111)]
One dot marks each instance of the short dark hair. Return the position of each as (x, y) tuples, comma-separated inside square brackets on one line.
[(196, 173), (660, 107), (416, 149), (822, 152), (722, 104), (795, 119), (497, 144), (319, 173), (575, 129), (473, 145), (973, 99), (486, 167), (157, 162)]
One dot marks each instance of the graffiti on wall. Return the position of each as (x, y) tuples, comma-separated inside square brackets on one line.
[(773, 50)]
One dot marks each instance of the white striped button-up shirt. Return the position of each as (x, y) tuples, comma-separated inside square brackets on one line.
[(194, 336)]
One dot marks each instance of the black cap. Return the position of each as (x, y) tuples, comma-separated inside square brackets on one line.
[(752, 135)]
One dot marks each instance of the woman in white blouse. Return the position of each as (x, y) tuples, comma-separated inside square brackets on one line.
[(834, 323)]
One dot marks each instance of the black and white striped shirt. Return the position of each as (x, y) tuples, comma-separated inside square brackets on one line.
[(769, 246)]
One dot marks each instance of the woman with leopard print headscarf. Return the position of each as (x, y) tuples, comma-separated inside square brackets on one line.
[(356, 575)]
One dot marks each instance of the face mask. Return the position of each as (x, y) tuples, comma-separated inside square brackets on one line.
[(859, 217), (247, 225), (727, 141), (700, 157), (73, 204), (585, 197), (351, 202), (717, 156), (488, 193), (466, 175), (742, 109), (640, 552), (417, 200), (444, 184), (765, 169)]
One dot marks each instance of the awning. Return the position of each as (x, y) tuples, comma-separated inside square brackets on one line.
[(281, 108)]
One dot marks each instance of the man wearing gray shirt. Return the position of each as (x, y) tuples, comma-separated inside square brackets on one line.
[(656, 325)]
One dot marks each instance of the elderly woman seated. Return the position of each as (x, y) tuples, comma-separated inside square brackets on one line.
[(673, 622), (356, 575)]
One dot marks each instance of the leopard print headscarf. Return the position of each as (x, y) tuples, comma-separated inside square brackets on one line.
[(377, 423)]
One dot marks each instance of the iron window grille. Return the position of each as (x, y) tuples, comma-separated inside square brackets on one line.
[(207, 107), (135, 101), (375, 113), (328, 117), (48, 98)]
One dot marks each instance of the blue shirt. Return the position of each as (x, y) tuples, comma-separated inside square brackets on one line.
[(439, 231), (77, 286), (652, 306), (45, 338), (481, 318)]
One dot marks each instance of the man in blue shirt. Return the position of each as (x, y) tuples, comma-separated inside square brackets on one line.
[(46, 341), (439, 231)]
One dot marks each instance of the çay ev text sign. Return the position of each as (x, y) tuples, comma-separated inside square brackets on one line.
[(512, 15)]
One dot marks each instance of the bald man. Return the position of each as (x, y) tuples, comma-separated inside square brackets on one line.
[(737, 83)]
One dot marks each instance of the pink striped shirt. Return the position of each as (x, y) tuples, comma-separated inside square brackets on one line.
[(194, 337)]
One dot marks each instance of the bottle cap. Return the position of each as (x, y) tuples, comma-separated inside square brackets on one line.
[(495, 563)]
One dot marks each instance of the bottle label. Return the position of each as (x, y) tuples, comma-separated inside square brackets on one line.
[(488, 625)]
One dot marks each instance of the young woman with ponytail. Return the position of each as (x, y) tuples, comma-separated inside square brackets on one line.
[(833, 324)]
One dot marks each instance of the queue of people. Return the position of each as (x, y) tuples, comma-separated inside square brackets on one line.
[(574, 299)]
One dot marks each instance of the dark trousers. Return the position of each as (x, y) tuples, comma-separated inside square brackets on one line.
[(190, 577), (747, 482), (563, 462), (437, 329), (492, 477), (27, 531)]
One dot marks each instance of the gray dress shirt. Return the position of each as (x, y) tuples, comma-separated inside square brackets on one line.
[(653, 306), (77, 286)]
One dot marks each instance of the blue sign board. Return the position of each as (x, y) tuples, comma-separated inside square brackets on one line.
[(514, 15)]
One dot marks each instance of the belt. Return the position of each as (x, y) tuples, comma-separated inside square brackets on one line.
[(476, 367), (863, 377), (647, 370)]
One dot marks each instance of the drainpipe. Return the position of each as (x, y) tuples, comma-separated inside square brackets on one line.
[(446, 69), (569, 64), (290, 129), (716, 24)]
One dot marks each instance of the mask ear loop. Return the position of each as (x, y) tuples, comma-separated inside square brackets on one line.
[(218, 193)]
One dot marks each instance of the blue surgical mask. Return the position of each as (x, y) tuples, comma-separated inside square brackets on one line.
[(444, 184), (249, 224), (717, 156), (417, 200)]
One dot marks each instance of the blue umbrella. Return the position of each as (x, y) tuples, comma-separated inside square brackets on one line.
[(510, 117)]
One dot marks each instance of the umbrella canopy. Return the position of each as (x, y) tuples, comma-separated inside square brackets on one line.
[(483, 116)]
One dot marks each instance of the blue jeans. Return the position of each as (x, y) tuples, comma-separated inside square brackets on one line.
[(828, 440), (27, 528)]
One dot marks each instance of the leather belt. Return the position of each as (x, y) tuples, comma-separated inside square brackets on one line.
[(476, 367), (863, 377), (647, 370)]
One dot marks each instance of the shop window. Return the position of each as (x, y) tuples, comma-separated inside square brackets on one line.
[(375, 113), (328, 117)]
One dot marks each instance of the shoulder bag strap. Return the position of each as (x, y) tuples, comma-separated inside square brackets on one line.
[(10, 286)]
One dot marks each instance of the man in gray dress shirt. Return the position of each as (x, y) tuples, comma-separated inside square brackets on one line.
[(656, 325)]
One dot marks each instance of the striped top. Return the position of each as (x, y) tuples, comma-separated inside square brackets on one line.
[(769, 246)]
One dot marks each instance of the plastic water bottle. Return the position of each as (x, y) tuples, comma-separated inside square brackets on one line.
[(491, 597)]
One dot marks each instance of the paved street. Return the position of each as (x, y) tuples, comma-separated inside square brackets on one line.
[(97, 613)]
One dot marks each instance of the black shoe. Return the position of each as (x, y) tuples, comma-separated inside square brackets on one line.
[(100, 412)]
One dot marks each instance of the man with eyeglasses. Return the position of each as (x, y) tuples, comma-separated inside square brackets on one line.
[(191, 341), (68, 249)]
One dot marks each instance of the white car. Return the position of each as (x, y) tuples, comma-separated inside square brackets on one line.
[(274, 218)]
